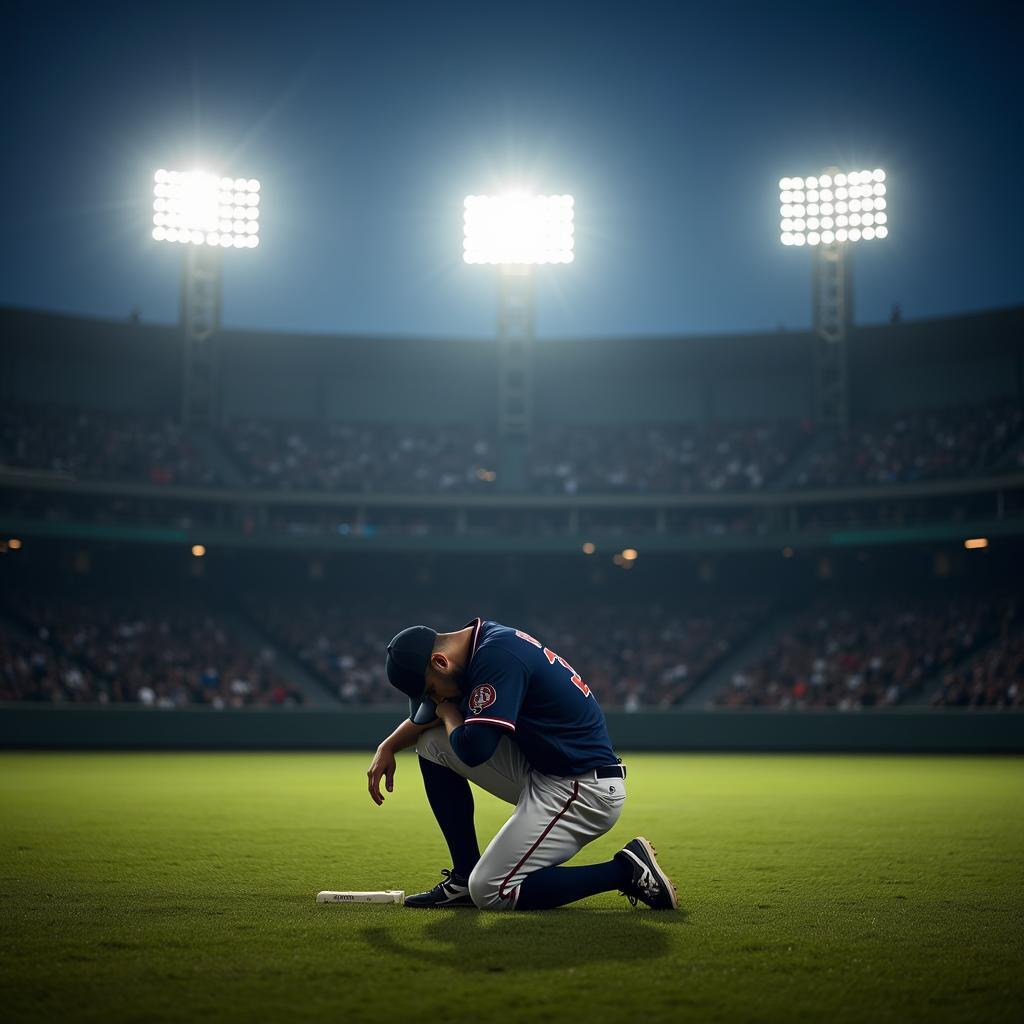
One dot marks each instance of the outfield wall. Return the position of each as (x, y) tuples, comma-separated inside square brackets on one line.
[(32, 727)]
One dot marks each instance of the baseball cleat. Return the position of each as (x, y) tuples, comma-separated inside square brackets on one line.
[(649, 883), (453, 891)]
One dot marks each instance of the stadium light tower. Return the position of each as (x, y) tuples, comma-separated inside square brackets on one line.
[(206, 214), (516, 232), (829, 212)]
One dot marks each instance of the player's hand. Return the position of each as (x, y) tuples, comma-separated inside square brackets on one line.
[(382, 766)]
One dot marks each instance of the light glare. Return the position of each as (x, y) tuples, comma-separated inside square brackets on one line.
[(517, 228), (847, 201), (193, 207)]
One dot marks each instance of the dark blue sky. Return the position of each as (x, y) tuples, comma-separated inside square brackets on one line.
[(670, 123)]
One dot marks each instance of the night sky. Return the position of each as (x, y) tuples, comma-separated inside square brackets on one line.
[(368, 124)]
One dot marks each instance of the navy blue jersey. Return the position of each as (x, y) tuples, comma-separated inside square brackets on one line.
[(516, 683)]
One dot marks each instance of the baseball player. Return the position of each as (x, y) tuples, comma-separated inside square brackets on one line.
[(489, 704)]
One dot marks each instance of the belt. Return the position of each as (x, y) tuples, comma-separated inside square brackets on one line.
[(612, 771)]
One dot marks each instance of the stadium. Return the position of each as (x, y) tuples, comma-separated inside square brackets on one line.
[(786, 562)]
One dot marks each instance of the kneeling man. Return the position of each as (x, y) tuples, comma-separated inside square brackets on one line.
[(489, 704)]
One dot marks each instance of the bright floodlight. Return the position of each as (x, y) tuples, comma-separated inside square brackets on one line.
[(205, 209), (518, 228), (834, 207)]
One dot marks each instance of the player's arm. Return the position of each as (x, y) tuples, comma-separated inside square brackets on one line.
[(383, 764), (494, 695), (470, 746)]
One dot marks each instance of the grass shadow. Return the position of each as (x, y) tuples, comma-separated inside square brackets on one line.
[(496, 943)]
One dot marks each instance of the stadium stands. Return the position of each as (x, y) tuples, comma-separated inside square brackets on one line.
[(632, 658), (164, 656), (867, 655), (30, 670), (340, 645), (439, 459), (647, 657), (918, 446), (994, 678), (874, 652), (659, 458), (720, 467), (356, 457), (104, 446)]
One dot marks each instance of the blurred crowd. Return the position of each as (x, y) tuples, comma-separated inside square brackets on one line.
[(850, 657), (341, 645), (994, 678), (662, 458), (647, 657), (917, 446), (422, 458), (31, 670), (99, 445), (85, 651), (714, 458), (631, 658)]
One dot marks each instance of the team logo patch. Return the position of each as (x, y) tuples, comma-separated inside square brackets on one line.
[(483, 696)]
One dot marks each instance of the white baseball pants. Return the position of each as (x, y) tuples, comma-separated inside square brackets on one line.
[(555, 816)]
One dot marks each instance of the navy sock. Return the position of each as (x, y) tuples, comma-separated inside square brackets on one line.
[(555, 886), (451, 800)]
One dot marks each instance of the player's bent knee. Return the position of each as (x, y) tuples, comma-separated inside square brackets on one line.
[(485, 891)]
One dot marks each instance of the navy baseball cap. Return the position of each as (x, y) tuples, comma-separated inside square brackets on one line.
[(408, 656)]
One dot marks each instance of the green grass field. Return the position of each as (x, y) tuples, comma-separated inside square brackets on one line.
[(162, 887)]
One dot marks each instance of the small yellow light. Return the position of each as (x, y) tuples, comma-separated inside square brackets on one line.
[(787, 552), (14, 543), (198, 550), (629, 554), (589, 548), (976, 543)]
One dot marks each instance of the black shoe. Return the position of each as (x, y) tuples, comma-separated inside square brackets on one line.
[(649, 883), (452, 892)]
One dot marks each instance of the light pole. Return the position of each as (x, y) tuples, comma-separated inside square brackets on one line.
[(206, 214), (829, 212), (515, 232)]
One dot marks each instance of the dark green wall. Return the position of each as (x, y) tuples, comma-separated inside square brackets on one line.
[(119, 365), (95, 728), (390, 380)]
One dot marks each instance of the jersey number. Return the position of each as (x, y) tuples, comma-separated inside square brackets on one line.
[(552, 658)]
